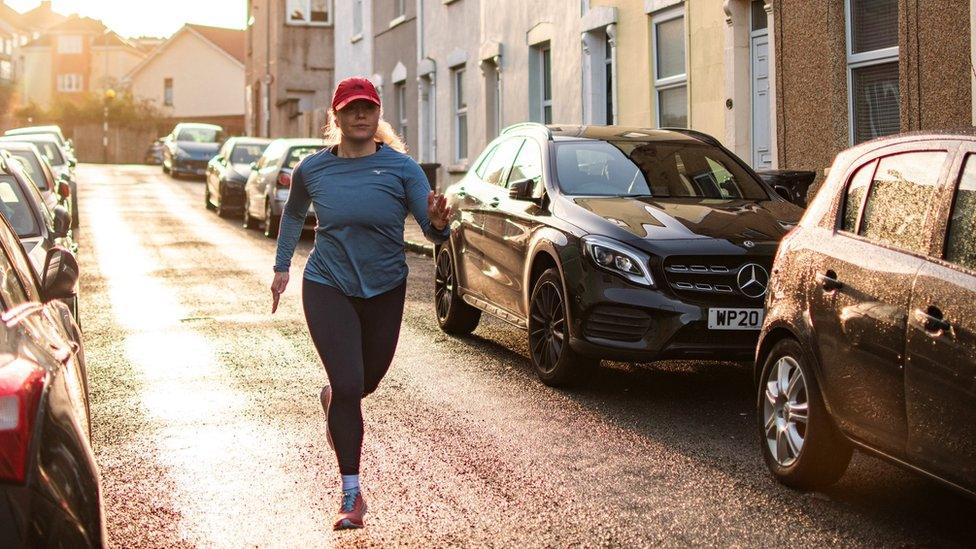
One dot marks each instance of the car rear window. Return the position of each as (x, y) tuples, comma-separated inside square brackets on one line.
[(199, 135), (16, 209), (961, 240), (663, 169), (297, 154), (32, 166), (246, 154)]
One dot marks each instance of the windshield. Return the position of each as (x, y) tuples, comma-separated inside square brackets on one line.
[(660, 169), (32, 165), (199, 135), (16, 209), (297, 154), (55, 135), (246, 154), (50, 150)]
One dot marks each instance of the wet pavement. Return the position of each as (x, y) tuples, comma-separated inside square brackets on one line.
[(208, 431)]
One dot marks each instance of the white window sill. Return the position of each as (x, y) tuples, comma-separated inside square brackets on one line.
[(449, 1), (356, 38), (307, 24), (398, 21), (460, 167)]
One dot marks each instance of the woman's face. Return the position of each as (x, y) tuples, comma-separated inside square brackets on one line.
[(358, 120)]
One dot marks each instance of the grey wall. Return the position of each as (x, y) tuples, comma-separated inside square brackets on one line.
[(353, 53), (393, 45)]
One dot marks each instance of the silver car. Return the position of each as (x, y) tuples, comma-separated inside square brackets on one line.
[(269, 183)]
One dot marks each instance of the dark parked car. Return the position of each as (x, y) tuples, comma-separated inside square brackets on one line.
[(870, 335), (188, 149), (611, 242), (792, 185), (268, 185), (39, 228), (61, 163), (55, 191), (49, 483), (228, 172), (154, 153)]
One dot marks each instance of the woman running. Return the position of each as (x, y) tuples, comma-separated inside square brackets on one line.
[(362, 186)]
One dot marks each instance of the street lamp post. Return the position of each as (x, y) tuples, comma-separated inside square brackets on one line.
[(109, 96)]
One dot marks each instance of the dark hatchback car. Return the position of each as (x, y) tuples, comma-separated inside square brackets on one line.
[(49, 483), (228, 172), (54, 190), (269, 183), (870, 335), (611, 242), (188, 149)]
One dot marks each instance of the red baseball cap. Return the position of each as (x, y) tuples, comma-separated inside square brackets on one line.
[(353, 88)]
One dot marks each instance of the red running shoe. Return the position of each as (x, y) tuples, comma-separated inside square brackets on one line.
[(351, 511)]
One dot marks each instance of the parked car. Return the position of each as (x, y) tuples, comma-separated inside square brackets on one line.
[(869, 340), (227, 174), (188, 149), (268, 184), (39, 228), (50, 492), (61, 163), (154, 154), (54, 131), (53, 190), (607, 242)]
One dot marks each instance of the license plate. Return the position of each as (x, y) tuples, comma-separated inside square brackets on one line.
[(735, 319)]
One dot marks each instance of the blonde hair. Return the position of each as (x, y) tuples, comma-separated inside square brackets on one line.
[(384, 134)]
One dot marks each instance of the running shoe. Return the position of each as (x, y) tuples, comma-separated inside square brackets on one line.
[(326, 397), (351, 511)]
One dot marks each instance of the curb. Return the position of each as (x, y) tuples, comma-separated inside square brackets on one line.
[(418, 248)]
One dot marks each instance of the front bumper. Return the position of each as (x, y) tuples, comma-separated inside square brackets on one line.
[(232, 195), (616, 320), (189, 166)]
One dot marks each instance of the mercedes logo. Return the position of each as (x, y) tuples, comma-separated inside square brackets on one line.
[(753, 279)]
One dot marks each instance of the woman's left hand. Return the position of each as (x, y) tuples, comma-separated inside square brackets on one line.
[(438, 211)]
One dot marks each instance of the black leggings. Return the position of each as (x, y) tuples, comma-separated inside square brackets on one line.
[(356, 339)]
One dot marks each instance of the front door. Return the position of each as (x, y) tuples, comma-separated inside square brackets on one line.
[(762, 157), (940, 375), (859, 298)]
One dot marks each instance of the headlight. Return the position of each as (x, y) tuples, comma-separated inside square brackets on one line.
[(618, 258)]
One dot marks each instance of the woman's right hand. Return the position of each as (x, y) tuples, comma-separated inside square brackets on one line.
[(278, 286)]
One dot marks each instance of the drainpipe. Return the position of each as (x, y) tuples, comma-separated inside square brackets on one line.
[(612, 39), (267, 72)]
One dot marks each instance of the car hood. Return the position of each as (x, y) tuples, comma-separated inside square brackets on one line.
[(688, 218), (202, 151)]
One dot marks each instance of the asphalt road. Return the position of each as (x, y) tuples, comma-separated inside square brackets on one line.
[(208, 430)]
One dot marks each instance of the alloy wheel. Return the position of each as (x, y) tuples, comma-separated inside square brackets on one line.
[(785, 411), (443, 285), (547, 327)]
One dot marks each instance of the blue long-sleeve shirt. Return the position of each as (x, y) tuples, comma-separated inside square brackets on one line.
[(361, 205)]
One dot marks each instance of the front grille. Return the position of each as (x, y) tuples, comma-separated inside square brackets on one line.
[(708, 277), (617, 323)]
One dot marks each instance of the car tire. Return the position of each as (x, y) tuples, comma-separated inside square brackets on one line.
[(207, 198), (807, 453), (271, 222), (454, 316), (555, 362), (248, 222)]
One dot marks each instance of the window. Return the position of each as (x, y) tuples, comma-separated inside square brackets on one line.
[(528, 164), (297, 154), (857, 189), (400, 90), (357, 17), (69, 44), (760, 21), (492, 99), (16, 209), (201, 135), (11, 287), (545, 54), (460, 117), (32, 165), (168, 92), (70, 83), (899, 197), (608, 75), (670, 77), (246, 154), (6, 70), (485, 160), (872, 62), (500, 163), (399, 8), (309, 12), (961, 241)]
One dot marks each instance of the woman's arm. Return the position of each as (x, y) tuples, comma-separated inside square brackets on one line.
[(428, 209), (292, 220)]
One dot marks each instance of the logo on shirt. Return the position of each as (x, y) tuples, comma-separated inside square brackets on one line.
[(378, 172)]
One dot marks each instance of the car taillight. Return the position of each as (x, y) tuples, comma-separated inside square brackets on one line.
[(21, 384), (284, 179)]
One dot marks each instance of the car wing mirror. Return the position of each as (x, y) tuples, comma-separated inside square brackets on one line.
[(62, 221), (60, 275), (72, 162), (254, 166), (521, 189)]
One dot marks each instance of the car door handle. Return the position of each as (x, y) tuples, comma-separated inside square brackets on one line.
[(932, 320), (494, 202), (828, 281)]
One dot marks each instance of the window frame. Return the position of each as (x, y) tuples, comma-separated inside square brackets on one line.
[(460, 152), (861, 60), (544, 51), (330, 7), (168, 92), (76, 79), (668, 82)]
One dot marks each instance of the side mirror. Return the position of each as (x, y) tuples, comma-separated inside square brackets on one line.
[(254, 166), (72, 162), (60, 275), (62, 221), (521, 189)]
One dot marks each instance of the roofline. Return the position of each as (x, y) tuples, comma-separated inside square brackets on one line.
[(165, 45)]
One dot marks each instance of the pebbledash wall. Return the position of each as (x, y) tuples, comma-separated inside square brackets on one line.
[(821, 83)]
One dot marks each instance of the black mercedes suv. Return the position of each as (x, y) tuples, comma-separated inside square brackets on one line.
[(608, 242)]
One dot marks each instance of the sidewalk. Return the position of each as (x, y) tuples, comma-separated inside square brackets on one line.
[(415, 239)]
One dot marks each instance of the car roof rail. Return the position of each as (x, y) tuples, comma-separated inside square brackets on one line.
[(696, 134), (529, 126)]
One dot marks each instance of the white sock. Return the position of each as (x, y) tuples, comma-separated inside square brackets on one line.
[(350, 483)]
